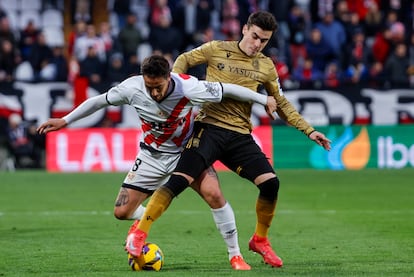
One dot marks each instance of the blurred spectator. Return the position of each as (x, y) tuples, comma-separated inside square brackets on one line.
[(381, 46), (60, 64), (28, 37), (82, 10), (318, 50), (122, 8), (40, 58), (133, 66), (9, 59), (282, 68), (333, 33), (129, 37), (397, 33), (91, 39), (357, 55), (185, 20), (6, 33), (160, 11), (342, 12), (230, 23), (297, 29), (190, 18), (116, 70), (376, 75), (373, 20), (308, 76), (396, 67), (391, 17), (92, 67), (106, 36), (78, 30), (24, 143), (280, 9), (361, 7), (163, 36), (332, 76), (353, 26)]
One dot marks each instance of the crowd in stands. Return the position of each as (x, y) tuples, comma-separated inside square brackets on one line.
[(319, 44)]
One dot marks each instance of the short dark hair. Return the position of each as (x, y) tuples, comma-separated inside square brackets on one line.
[(264, 20), (155, 66)]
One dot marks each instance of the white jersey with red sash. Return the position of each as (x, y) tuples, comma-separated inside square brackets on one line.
[(166, 125)]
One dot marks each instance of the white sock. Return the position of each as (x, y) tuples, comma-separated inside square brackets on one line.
[(139, 212), (226, 224)]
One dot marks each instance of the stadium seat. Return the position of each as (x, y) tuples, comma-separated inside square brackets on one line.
[(10, 5), (13, 17), (113, 20), (52, 18), (30, 5), (54, 36), (143, 51), (26, 16)]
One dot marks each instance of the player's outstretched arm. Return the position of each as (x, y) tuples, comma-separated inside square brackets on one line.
[(320, 139), (244, 94), (88, 107)]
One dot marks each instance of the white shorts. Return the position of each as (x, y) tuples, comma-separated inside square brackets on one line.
[(151, 170)]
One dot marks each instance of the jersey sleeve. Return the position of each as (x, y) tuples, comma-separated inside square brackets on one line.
[(120, 94), (285, 109), (199, 92), (199, 55)]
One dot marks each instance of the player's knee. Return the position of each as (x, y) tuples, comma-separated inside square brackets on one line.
[(269, 189), (121, 213), (213, 197)]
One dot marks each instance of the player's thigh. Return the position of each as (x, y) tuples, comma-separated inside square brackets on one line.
[(247, 159), (202, 150), (149, 171)]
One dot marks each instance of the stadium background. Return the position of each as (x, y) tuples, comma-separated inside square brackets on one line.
[(369, 123)]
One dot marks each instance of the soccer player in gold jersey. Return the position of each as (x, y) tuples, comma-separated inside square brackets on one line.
[(222, 130)]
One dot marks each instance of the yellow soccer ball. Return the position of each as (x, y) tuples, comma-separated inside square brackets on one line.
[(151, 258)]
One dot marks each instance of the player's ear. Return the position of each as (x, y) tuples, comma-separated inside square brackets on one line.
[(245, 29)]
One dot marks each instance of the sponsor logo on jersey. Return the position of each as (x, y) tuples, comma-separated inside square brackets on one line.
[(252, 74)]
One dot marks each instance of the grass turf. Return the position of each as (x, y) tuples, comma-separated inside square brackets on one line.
[(328, 223)]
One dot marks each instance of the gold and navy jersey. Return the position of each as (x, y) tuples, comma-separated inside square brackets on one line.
[(226, 63)]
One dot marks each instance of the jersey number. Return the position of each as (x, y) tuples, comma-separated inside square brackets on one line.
[(137, 163)]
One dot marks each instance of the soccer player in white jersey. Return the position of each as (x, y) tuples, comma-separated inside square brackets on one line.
[(164, 103)]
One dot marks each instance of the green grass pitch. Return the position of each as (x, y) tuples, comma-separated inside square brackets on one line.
[(328, 223)]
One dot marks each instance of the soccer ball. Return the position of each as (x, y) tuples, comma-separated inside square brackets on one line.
[(151, 258)]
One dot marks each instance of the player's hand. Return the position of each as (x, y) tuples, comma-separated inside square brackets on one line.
[(320, 139), (271, 107), (53, 124)]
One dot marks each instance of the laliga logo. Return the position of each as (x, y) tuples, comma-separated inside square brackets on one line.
[(348, 151)]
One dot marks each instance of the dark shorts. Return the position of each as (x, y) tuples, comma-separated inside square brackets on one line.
[(239, 152)]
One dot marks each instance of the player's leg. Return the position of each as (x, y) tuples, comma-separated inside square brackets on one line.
[(189, 162), (190, 166), (246, 158), (150, 171), (208, 187), (128, 204)]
